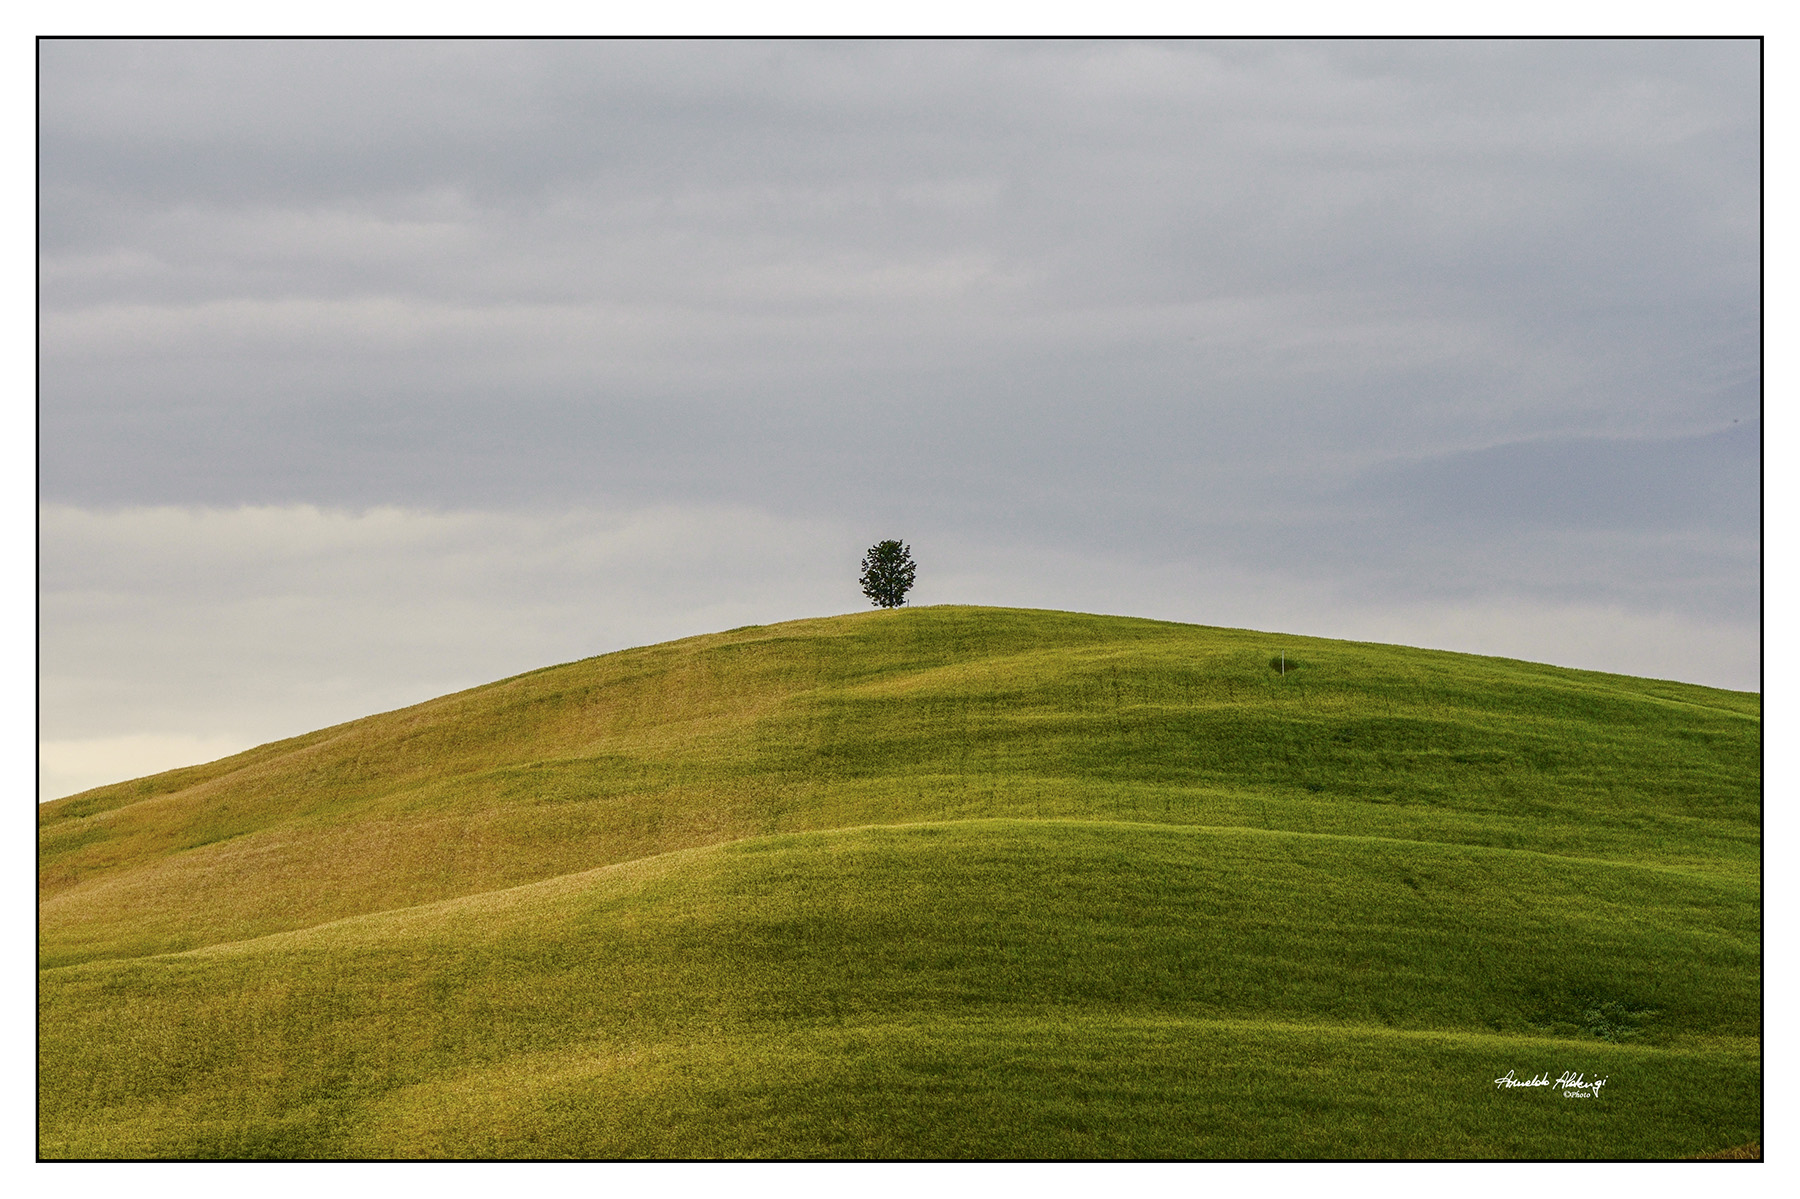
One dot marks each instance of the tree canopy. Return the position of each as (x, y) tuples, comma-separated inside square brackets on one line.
[(887, 573)]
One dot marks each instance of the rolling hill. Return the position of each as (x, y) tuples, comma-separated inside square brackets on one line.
[(933, 882)]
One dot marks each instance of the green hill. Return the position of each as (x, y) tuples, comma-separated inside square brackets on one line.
[(930, 882)]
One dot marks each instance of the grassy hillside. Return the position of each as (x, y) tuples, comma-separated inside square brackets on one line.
[(945, 881)]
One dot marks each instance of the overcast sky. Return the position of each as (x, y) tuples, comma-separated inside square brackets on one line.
[(373, 370)]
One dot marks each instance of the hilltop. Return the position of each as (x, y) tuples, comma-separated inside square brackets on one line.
[(941, 881)]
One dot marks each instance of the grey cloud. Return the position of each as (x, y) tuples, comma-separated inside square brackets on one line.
[(1708, 483)]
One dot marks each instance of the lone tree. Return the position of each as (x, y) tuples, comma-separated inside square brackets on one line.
[(887, 573)]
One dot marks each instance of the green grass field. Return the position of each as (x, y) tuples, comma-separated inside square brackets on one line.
[(940, 882)]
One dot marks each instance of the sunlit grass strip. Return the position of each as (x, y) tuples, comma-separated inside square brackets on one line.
[(1050, 1085), (707, 960)]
